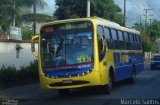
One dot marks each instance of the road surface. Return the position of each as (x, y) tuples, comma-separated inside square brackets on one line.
[(145, 91)]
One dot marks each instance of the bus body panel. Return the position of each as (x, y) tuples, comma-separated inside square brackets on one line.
[(124, 65), (121, 62)]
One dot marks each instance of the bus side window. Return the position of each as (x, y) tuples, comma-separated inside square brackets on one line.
[(100, 30), (108, 37), (101, 42), (121, 40), (131, 41), (138, 42), (135, 42), (114, 38), (126, 40)]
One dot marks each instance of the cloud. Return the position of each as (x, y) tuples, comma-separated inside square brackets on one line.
[(49, 10), (51, 3), (135, 8)]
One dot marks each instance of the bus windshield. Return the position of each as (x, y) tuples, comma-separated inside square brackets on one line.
[(67, 44)]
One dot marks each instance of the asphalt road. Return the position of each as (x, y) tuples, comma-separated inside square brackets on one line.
[(145, 91)]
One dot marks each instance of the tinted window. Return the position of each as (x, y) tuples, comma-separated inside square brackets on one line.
[(131, 37), (135, 38), (138, 38), (107, 33), (100, 30), (126, 36), (114, 34), (120, 34)]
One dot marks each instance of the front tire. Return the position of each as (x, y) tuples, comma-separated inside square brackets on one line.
[(109, 86)]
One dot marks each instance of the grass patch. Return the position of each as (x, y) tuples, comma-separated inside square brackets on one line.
[(10, 76)]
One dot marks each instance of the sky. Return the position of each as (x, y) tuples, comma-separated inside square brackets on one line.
[(134, 8), (49, 10)]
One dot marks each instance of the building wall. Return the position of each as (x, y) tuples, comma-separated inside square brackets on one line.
[(8, 54)]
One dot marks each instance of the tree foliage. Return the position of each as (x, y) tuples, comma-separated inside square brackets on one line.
[(27, 33), (67, 9), (154, 30), (149, 35), (21, 12)]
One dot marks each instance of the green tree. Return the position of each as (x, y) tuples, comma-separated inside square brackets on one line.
[(149, 35), (106, 9), (154, 30), (20, 10), (146, 43), (27, 33)]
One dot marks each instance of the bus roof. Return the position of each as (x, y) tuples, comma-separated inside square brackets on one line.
[(100, 21), (107, 23)]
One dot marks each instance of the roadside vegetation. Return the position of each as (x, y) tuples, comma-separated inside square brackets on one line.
[(149, 34), (10, 76), (20, 13)]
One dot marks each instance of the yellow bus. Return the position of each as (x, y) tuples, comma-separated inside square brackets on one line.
[(86, 52)]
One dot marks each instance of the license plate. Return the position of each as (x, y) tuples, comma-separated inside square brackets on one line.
[(67, 81)]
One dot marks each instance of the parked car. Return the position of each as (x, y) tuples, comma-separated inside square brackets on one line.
[(155, 62)]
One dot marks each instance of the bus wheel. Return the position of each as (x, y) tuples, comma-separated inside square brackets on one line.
[(63, 92), (108, 87), (133, 78)]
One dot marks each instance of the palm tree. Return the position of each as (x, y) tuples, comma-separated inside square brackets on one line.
[(16, 12), (5, 13)]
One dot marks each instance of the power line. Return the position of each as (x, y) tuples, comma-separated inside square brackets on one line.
[(142, 5)]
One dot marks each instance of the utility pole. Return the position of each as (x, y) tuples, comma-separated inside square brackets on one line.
[(146, 15), (150, 20), (34, 21), (124, 16), (88, 8), (13, 15), (140, 20)]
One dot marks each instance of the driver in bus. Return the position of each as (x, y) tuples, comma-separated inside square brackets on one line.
[(55, 42)]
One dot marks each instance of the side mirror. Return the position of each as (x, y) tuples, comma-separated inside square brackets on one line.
[(33, 41)]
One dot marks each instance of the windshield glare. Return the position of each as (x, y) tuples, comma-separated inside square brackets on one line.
[(67, 48)]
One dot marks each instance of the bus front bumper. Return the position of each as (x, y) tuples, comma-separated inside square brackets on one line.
[(91, 79)]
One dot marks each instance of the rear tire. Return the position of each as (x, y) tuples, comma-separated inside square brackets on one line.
[(63, 92), (152, 68), (133, 78)]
